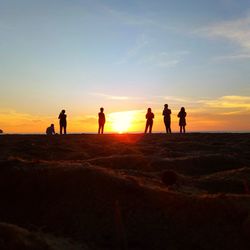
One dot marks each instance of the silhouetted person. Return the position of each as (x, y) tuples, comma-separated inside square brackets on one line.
[(63, 121), (50, 130), (182, 123), (101, 121), (149, 124), (167, 118)]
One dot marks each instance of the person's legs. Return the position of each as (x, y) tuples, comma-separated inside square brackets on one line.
[(102, 128), (60, 129), (64, 128), (146, 128), (99, 128), (150, 127), (180, 129), (166, 126), (184, 130), (168, 129)]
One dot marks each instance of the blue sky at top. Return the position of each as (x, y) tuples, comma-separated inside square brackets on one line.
[(77, 52)]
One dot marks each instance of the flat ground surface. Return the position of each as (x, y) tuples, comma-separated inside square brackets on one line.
[(131, 191)]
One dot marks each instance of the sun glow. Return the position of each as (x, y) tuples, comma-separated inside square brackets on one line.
[(121, 121)]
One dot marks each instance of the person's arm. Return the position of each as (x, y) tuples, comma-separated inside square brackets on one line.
[(170, 111)]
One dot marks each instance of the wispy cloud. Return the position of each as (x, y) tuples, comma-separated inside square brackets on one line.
[(163, 59), (167, 63), (220, 105), (113, 97), (158, 60), (228, 102), (178, 101), (125, 17), (223, 102), (236, 31), (140, 43), (232, 57), (141, 52), (147, 20)]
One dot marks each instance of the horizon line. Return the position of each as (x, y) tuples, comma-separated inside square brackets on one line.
[(156, 132)]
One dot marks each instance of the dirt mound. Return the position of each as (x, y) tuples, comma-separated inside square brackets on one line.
[(94, 205), (106, 192), (231, 181), (15, 237), (197, 165)]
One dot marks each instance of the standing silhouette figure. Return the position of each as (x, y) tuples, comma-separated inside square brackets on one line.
[(101, 121), (63, 122), (149, 124), (167, 118), (182, 123)]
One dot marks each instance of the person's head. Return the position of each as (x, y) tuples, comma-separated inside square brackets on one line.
[(63, 111), (52, 125), (166, 106), (182, 109), (149, 110), (101, 109)]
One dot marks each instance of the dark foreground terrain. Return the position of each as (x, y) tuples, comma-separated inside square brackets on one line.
[(125, 192)]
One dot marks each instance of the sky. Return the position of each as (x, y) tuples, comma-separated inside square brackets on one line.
[(125, 56)]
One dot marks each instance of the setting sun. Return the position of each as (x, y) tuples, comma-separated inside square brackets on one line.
[(121, 121)]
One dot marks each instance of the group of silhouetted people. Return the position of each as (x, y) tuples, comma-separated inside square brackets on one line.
[(167, 119), (149, 121), (62, 122)]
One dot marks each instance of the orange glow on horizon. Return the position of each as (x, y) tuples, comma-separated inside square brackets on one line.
[(130, 121), (121, 122)]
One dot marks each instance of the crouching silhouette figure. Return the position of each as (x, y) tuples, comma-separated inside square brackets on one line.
[(101, 121), (149, 124), (50, 130)]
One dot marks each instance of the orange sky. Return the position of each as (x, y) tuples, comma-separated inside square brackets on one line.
[(228, 113)]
